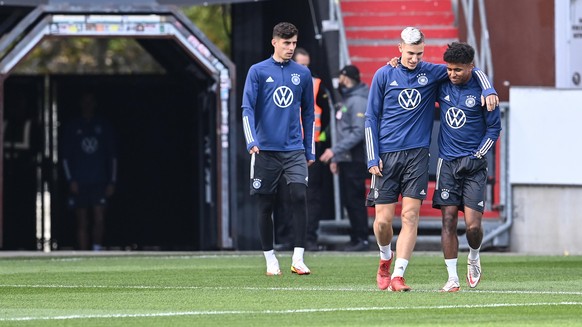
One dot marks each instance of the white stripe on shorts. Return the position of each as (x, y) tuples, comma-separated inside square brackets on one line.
[(252, 165)]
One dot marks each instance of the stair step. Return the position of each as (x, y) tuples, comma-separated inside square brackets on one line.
[(334, 234), (423, 242), (394, 33), (367, 6), (397, 20), (426, 225), (387, 51)]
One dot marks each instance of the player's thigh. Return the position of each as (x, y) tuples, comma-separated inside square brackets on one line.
[(387, 187), (295, 167), (410, 210), (475, 185), (448, 188), (384, 213), (415, 173), (472, 218), (265, 172)]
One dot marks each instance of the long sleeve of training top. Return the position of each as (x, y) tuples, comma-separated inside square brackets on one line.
[(277, 105), (401, 106), (467, 128)]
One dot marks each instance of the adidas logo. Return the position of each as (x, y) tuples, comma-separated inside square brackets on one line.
[(447, 98), (270, 80), (394, 83), (422, 192), (480, 204)]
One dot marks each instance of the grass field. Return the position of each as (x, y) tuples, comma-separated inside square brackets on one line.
[(220, 289)]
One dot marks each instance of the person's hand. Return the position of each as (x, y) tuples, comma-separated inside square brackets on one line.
[(333, 168), (74, 187), (393, 62), (376, 170), (254, 149), (310, 162), (109, 190), (326, 156), (492, 101)]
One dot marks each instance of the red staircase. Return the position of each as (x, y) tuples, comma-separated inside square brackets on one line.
[(373, 32), (373, 29)]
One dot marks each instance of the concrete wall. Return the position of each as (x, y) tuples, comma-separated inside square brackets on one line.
[(547, 220)]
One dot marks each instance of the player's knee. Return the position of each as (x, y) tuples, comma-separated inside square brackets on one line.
[(473, 230), (264, 204), (409, 217), (297, 193), (382, 225), (449, 224)]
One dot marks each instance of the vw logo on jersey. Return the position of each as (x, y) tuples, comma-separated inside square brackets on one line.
[(283, 97), (470, 102), (89, 145), (422, 79), (455, 117), (409, 98), (295, 79)]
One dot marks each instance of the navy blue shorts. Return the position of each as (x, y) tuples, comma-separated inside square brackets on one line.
[(461, 182), (404, 173), (90, 195), (267, 167)]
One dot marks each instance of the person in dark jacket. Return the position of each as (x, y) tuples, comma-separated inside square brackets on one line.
[(347, 156)]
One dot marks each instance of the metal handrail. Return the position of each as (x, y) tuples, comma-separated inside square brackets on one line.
[(335, 14), (483, 58)]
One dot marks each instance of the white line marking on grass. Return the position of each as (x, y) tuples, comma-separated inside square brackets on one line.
[(293, 289), (227, 288), (268, 312)]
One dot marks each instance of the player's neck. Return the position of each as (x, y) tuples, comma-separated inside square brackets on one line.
[(279, 59)]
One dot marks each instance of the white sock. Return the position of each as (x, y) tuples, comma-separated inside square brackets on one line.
[(385, 252), (452, 268), (298, 254), (474, 253), (399, 267), (270, 257)]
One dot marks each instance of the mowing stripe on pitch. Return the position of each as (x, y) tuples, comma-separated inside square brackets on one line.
[(267, 312), (293, 289)]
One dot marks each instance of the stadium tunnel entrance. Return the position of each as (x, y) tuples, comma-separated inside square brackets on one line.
[(175, 175)]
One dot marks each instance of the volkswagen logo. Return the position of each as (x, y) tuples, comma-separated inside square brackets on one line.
[(409, 98), (283, 97), (455, 117), (89, 145)]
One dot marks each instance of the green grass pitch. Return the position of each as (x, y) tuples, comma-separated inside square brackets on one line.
[(230, 289)]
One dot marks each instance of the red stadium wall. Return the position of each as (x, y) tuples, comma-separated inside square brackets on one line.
[(522, 42)]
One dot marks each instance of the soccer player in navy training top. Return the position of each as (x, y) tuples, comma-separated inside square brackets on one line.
[(399, 121), (90, 165), (278, 118), (466, 135)]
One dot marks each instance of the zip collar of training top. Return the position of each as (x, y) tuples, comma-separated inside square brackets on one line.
[(284, 62), (408, 69)]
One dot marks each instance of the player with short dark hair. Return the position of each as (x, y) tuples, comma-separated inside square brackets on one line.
[(467, 133), (278, 118)]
